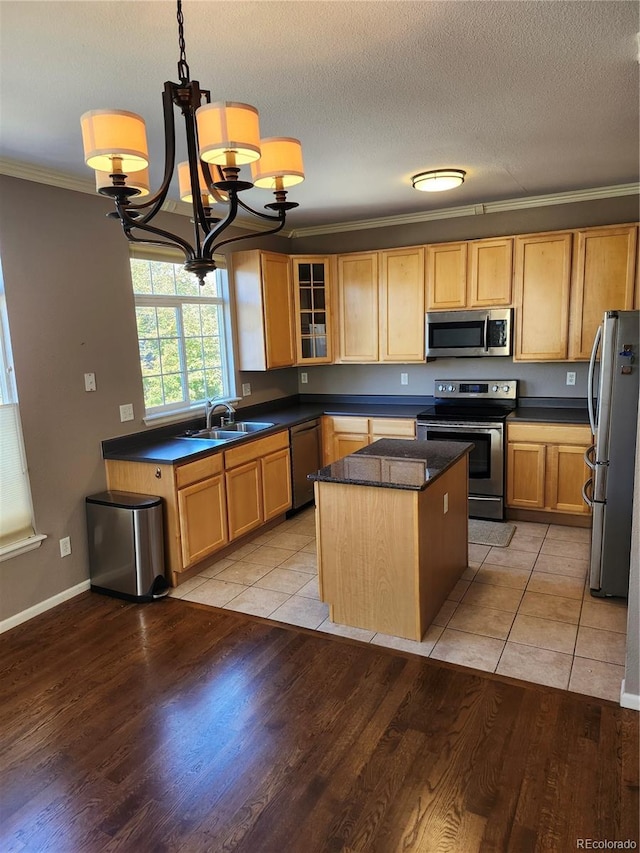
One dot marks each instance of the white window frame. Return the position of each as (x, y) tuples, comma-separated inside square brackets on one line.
[(12, 438), (177, 411)]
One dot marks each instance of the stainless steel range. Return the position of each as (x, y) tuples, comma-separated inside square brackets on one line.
[(475, 412)]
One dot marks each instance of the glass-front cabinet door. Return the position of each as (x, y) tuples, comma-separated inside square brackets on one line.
[(312, 295)]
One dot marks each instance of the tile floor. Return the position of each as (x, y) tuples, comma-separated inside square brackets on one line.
[(523, 611)]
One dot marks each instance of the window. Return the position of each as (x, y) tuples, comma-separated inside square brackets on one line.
[(17, 528), (182, 334)]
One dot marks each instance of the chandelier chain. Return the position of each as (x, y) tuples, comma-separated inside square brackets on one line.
[(183, 67)]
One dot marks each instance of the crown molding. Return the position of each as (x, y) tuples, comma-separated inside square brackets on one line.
[(472, 210), (29, 172)]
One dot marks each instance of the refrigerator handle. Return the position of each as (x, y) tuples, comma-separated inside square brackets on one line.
[(590, 377), (589, 456), (587, 492)]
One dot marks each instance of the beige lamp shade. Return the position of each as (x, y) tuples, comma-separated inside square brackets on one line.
[(280, 164), (137, 180), (114, 139), (228, 133)]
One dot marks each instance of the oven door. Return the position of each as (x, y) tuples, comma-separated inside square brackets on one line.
[(486, 461)]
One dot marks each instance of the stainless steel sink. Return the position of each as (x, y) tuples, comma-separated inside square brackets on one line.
[(247, 426), (231, 432)]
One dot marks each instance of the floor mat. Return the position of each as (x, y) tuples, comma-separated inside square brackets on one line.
[(495, 533)]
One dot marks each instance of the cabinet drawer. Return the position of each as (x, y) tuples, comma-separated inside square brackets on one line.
[(550, 433), (392, 426), (255, 449), (347, 424), (192, 472)]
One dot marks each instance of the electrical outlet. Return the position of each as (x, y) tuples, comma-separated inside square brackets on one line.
[(126, 412), (445, 503), (304, 378), (89, 382), (246, 389), (404, 378), (571, 377), (65, 546)]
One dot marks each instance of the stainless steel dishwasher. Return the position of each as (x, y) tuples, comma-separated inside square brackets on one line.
[(305, 459)]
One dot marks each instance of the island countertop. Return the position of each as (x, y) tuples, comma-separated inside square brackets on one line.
[(393, 463)]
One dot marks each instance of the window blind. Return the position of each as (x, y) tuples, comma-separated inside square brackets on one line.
[(16, 518)]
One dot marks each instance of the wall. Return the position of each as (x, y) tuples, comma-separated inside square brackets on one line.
[(71, 311), (535, 380), (631, 695)]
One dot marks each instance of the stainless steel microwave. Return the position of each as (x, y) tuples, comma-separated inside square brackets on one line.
[(483, 331)]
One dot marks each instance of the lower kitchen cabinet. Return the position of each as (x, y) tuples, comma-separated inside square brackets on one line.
[(345, 435), (203, 519), (546, 468), (213, 500), (258, 482)]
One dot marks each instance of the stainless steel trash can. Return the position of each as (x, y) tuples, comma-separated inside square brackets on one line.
[(126, 549)]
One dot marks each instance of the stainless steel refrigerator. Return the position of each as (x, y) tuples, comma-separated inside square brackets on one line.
[(613, 413)]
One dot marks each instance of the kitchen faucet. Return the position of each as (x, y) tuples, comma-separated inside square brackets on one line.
[(211, 406)]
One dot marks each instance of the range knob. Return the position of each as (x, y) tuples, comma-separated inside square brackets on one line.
[(494, 388), (450, 388), (441, 388), (505, 388)]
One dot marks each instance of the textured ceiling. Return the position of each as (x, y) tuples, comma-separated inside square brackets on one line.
[(529, 98)]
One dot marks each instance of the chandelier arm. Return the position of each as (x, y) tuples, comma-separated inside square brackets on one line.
[(148, 242), (270, 217), (129, 224), (248, 236), (156, 200), (208, 245)]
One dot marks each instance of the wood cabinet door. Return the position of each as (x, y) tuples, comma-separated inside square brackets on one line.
[(358, 307), (525, 475), (446, 276), (203, 519), (567, 472), (244, 499), (542, 282), (312, 309), (276, 483), (603, 280), (278, 310), (346, 443), (402, 305), (490, 272)]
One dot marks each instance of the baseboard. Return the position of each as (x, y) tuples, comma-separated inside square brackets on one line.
[(43, 606), (629, 700), (540, 516)]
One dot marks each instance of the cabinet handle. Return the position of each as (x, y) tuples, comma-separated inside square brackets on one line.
[(158, 474)]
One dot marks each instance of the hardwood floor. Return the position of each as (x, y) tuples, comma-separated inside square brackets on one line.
[(177, 727)]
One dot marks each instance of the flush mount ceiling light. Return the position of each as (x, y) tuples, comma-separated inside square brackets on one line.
[(438, 180), (221, 137)]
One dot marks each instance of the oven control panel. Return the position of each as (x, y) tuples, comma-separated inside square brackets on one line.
[(486, 389)]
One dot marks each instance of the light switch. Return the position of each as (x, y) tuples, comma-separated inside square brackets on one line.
[(126, 412), (89, 382), (246, 389)]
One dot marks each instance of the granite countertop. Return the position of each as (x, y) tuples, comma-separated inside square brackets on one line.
[(551, 414), (393, 463), (164, 446)]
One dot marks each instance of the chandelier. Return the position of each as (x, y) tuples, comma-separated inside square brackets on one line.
[(221, 137)]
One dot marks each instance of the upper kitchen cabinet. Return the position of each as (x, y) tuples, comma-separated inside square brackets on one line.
[(264, 306), (490, 272), (542, 284), (604, 270), (401, 310), (471, 274), (312, 309), (446, 265), (358, 307)]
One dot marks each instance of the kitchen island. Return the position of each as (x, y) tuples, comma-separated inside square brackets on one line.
[(391, 530)]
